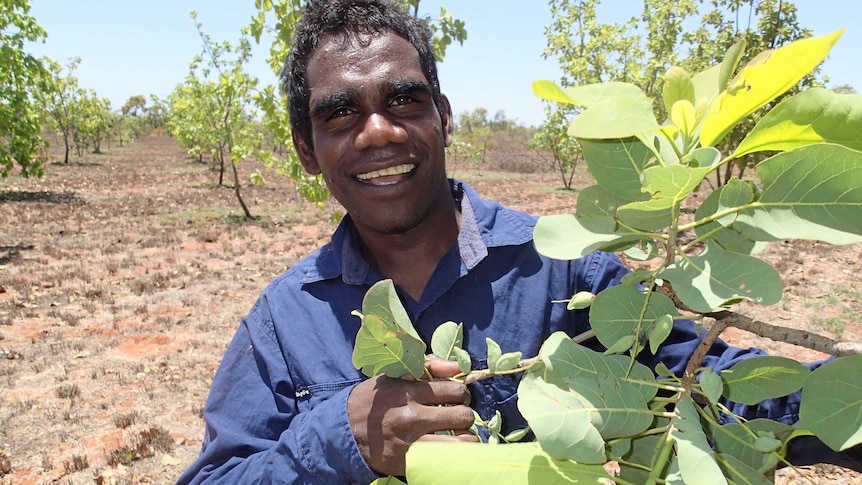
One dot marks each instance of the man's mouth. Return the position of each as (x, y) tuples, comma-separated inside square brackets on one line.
[(386, 176)]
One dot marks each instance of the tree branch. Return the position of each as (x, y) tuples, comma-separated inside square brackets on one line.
[(793, 336)]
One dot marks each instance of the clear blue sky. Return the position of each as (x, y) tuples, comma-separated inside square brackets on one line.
[(131, 47)]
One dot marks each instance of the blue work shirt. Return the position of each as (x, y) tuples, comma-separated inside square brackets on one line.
[(277, 409)]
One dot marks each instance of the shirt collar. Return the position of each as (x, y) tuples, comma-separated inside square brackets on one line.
[(484, 224)]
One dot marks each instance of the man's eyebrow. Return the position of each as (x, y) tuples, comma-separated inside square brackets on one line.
[(332, 101), (405, 86)]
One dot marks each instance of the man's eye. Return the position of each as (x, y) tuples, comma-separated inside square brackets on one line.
[(340, 113), (402, 100)]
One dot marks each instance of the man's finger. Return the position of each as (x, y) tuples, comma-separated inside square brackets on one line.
[(440, 368)]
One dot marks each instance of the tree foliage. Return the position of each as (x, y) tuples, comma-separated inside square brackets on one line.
[(60, 102), (210, 114), (690, 34), (22, 75)]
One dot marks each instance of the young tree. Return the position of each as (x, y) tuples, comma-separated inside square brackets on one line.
[(60, 101), (21, 76)]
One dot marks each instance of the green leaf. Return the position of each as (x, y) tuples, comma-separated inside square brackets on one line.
[(446, 343), (580, 300), (383, 348), (446, 338), (812, 192), (613, 110), (734, 194), (560, 421), (730, 63), (677, 86), (507, 361), (618, 165), (494, 353), (659, 332), (715, 278), (563, 236), (473, 463), (382, 300), (668, 186), (737, 471), (762, 81), (734, 439), (616, 312), (683, 116), (622, 345), (711, 385), (702, 157), (756, 379), (696, 459), (549, 90), (832, 403), (813, 116)]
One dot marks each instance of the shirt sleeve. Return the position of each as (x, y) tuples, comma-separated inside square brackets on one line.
[(254, 430)]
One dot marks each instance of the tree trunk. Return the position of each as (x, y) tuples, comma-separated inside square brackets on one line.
[(236, 190)]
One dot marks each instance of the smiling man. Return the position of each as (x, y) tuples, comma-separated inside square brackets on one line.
[(287, 405)]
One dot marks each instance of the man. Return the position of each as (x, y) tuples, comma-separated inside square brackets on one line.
[(287, 405)]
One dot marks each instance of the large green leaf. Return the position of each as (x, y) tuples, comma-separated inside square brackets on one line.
[(564, 359), (643, 453), (696, 459), (753, 380), (566, 236), (383, 348), (613, 110), (761, 81), (832, 403), (616, 311), (618, 165), (715, 277), (668, 186), (813, 116), (560, 420), (734, 439), (812, 192), (480, 464)]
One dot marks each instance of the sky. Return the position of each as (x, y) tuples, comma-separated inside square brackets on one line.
[(131, 47)]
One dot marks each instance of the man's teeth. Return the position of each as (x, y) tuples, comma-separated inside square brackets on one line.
[(396, 170)]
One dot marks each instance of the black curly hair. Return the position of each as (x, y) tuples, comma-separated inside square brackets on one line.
[(348, 17)]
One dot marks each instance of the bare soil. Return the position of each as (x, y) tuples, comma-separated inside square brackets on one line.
[(124, 275)]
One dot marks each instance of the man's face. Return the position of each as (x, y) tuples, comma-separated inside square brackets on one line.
[(378, 137)]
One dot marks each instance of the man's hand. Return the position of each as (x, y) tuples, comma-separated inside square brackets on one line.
[(387, 415)]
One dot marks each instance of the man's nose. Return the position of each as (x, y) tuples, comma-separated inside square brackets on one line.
[(378, 131)]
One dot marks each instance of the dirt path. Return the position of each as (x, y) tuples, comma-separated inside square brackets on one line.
[(123, 276)]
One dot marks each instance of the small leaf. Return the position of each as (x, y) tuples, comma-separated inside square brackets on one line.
[(507, 362), (446, 338), (494, 354), (636, 277), (662, 370), (711, 385), (549, 90), (659, 332), (516, 435), (677, 87), (580, 300), (622, 345), (684, 117), (730, 62), (766, 444)]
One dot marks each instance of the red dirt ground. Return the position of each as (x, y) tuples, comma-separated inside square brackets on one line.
[(124, 275)]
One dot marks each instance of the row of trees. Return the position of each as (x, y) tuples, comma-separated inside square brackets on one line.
[(39, 94)]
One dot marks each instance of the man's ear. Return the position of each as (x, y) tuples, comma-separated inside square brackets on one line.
[(306, 154), (448, 123)]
